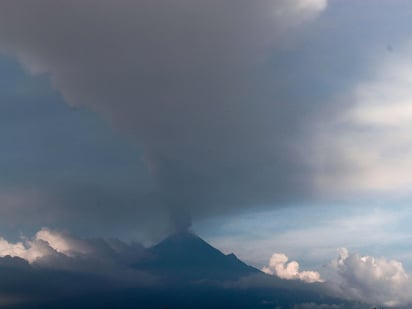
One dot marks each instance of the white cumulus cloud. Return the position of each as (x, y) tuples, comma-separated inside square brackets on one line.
[(279, 266), (372, 280)]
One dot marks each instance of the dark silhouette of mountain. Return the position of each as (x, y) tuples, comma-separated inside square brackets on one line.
[(187, 257)]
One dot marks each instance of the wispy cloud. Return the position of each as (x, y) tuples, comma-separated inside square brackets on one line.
[(372, 137), (314, 233)]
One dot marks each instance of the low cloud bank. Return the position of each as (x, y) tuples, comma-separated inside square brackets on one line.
[(47, 244), (72, 265), (44, 244), (364, 279), (53, 266)]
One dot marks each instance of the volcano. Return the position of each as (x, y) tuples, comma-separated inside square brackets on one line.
[(187, 257)]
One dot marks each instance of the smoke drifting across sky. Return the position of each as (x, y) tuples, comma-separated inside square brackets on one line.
[(236, 104), (191, 82)]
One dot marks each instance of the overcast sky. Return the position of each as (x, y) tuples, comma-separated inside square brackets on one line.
[(265, 126)]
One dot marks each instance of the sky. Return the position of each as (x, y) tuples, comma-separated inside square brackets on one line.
[(266, 127)]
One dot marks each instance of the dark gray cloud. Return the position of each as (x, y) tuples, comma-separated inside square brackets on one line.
[(224, 97), (189, 82)]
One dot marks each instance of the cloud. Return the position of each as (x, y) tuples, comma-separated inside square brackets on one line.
[(44, 244), (372, 137), (54, 248), (314, 233), (356, 278), (55, 266), (372, 280), (279, 266), (235, 104), (190, 82), (361, 280), (295, 12)]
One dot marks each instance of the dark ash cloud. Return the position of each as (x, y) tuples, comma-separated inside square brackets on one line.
[(236, 104), (190, 82)]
